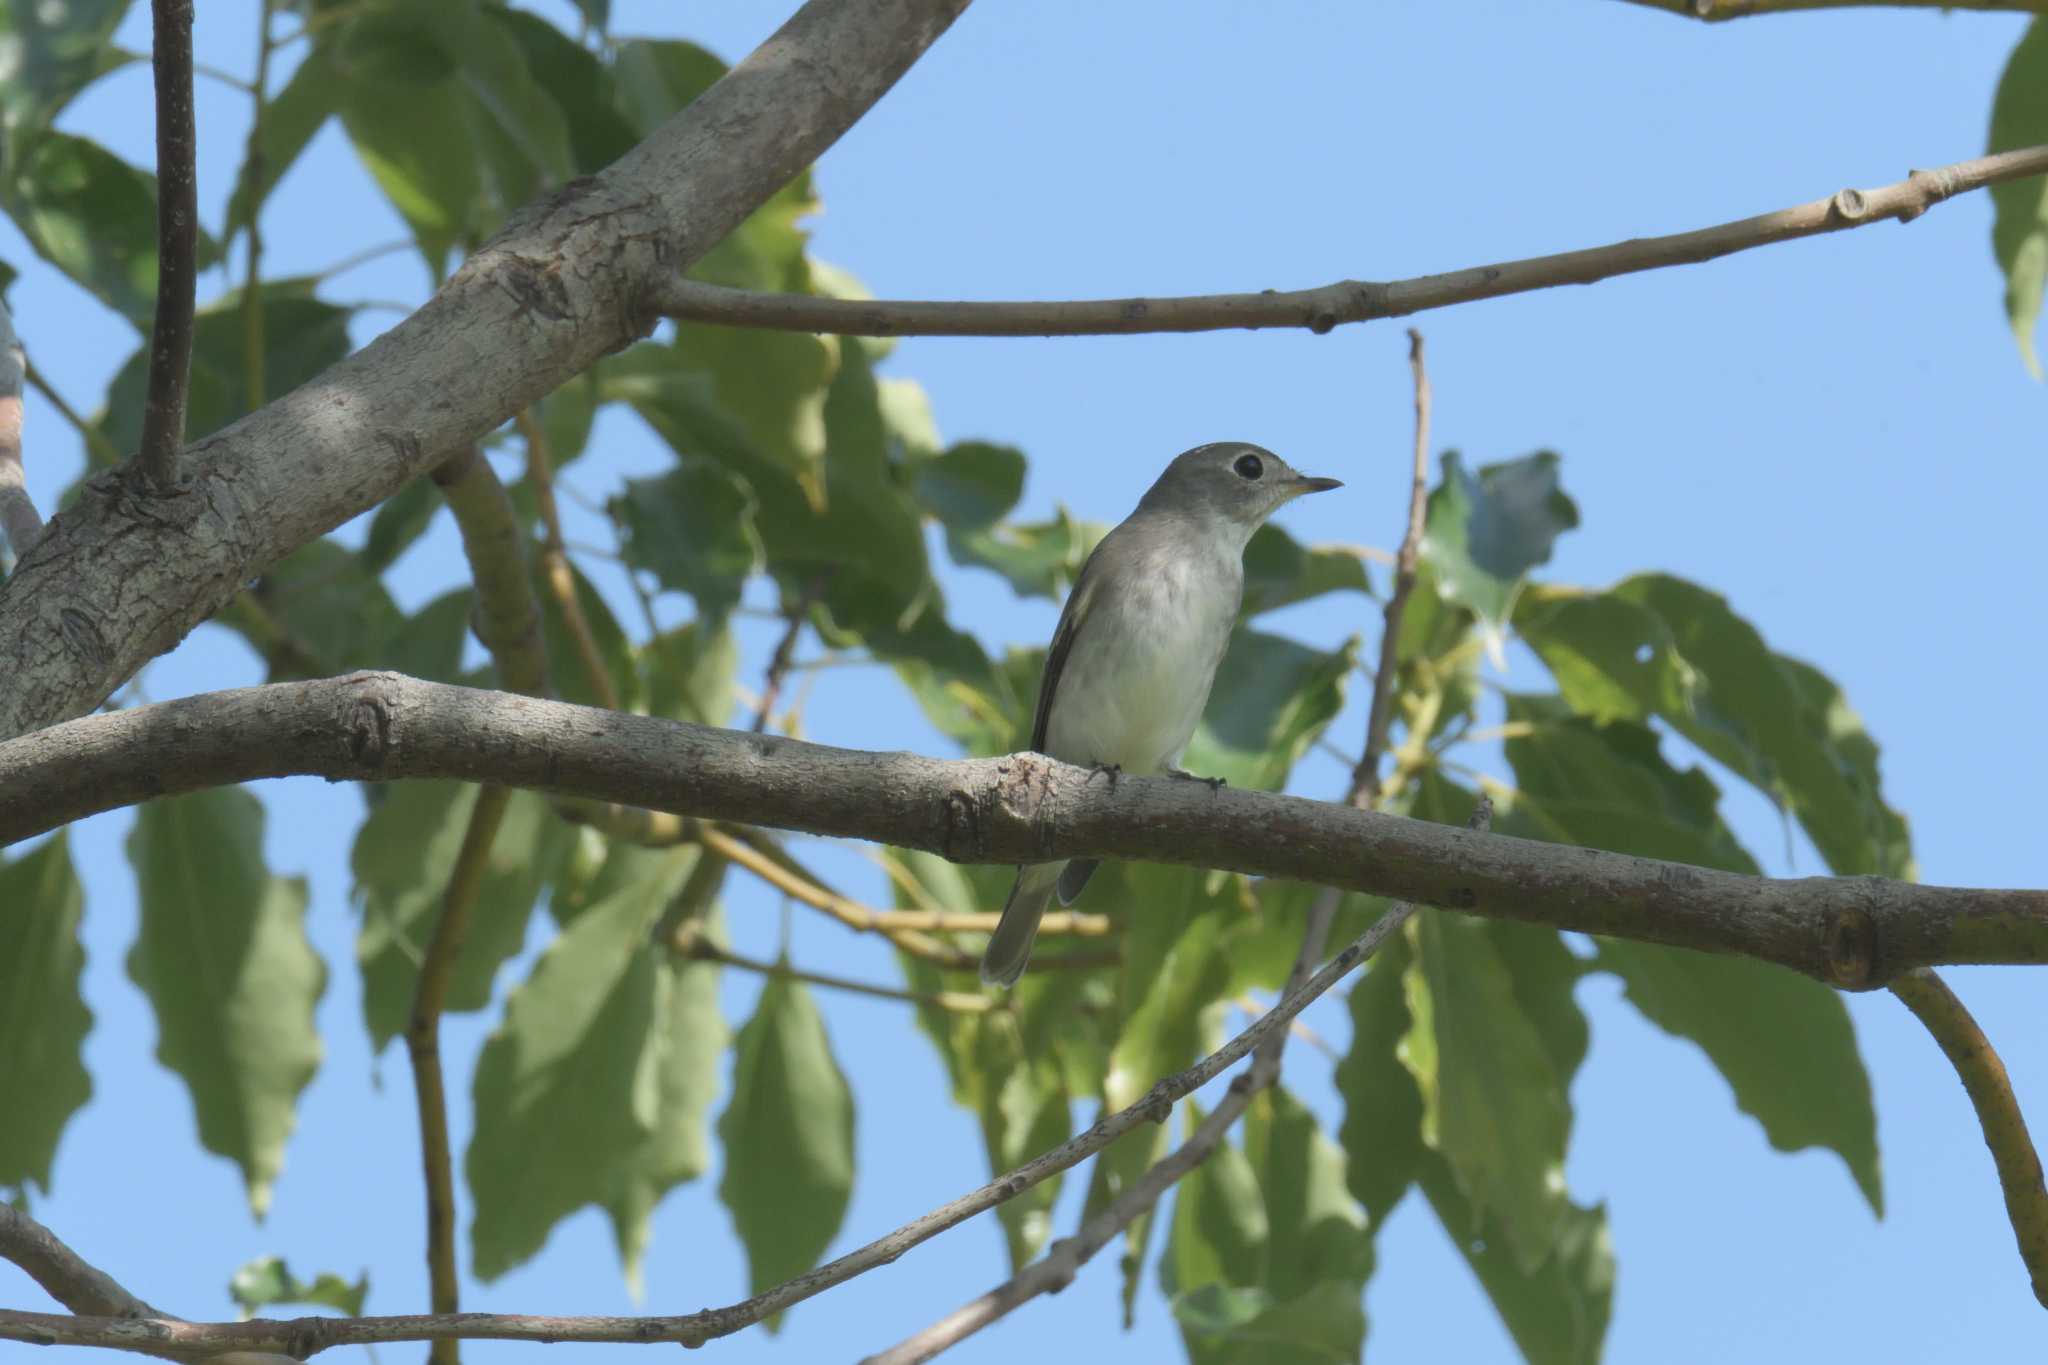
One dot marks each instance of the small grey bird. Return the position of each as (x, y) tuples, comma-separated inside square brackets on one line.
[(1138, 643)]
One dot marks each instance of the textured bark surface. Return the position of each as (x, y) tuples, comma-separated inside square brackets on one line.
[(1854, 932), (124, 574)]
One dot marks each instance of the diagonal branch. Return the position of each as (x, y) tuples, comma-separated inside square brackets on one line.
[(563, 284), (177, 227), (1998, 1112), (1346, 301), (1855, 932), (304, 1337)]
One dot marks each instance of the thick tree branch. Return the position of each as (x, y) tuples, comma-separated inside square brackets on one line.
[(110, 585), (304, 1337), (1713, 11), (1855, 932), (1998, 1113), (1321, 309), (177, 228)]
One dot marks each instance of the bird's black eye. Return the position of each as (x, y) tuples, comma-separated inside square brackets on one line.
[(1249, 467)]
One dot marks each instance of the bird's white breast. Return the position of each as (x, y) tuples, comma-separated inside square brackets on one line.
[(1138, 673)]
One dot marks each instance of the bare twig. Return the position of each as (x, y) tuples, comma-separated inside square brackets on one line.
[(423, 1044), (1855, 932), (177, 226), (305, 1337), (1998, 1113), (1365, 778), (18, 519), (554, 559), (1715, 10), (690, 941), (778, 664), (1321, 309)]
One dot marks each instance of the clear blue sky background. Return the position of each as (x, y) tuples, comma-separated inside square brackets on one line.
[(1836, 433)]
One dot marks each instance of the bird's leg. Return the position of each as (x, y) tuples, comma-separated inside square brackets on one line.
[(1215, 783), (1112, 771)]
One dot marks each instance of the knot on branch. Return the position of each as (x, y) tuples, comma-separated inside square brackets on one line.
[(1849, 949), (368, 721)]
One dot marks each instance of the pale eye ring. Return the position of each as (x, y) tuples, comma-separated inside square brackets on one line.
[(1249, 467)]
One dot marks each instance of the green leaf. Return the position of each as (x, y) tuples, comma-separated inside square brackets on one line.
[(1272, 698), (43, 1015), (774, 384), (398, 521), (566, 666), (972, 485), (1220, 1235), (1609, 786), (1493, 1101), (572, 1086), (1558, 1312), (1486, 531), (1279, 571), (54, 51), (93, 216), (788, 1138), (691, 673), (404, 855), (693, 529), (223, 957), (1040, 559), (655, 78), (301, 337), (1812, 1094), (429, 643), (577, 82), (1382, 1132), (962, 692), (2019, 232), (1313, 1256), (267, 1280), (1657, 645), (332, 612)]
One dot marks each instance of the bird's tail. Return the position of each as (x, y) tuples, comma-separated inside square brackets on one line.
[(1009, 948)]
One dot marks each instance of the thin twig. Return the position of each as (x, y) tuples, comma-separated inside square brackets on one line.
[(305, 1337), (1365, 778), (19, 521), (1998, 1113), (778, 663), (1714, 11), (423, 1044), (177, 225), (1057, 1268), (554, 559), (691, 942), (103, 450), (1347, 301), (253, 171)]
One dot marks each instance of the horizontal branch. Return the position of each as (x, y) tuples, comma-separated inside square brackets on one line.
[(304, 1337), (1855, 932), (1326, 307)]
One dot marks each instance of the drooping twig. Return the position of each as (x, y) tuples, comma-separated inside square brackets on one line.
[(423, 1046), (778, 663), (18, 519), (1716, 10), (177, 227), (554, 560), (1321, 309), (1856, 932), (305, 1337), (690, 941), (1998, 1113)]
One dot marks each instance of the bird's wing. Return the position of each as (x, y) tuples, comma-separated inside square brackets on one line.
[(1063, 637)]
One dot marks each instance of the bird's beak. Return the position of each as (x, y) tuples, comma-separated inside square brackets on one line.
[(1304, 484)]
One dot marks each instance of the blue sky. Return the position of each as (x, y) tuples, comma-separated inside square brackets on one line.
[(1837, 434)]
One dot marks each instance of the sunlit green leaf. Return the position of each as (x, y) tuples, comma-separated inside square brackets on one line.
[(54, 51), (571, 1086), (576, 81), (691, 673), (267, 1280), (1382, 1132), (1279, 571), (1271, 699), (2019, 233), (1040, 559), (404, 855), (223, 957), (1487, 530), (788, 1138), (1789, 1052), (43, 1016)]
